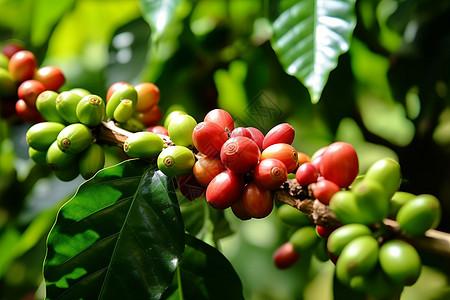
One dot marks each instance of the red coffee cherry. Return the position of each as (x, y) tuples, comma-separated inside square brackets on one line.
[(208, 138), (238, 210), (282, 133), (27, 113), (190, 188), (339, 163), (283, 152), (303, 158), (225, 189), (221, 117), (270, 173), (316, 158), (258, 202), (306, 174), (151, 117), (241, 131), (29, 90), (324, 189), (12, 48), (158, 130), (52, 77), (285, 256), (22, 65), (114, 87), (324, 232), (206, 168), (148, 96), (257, 136), (240, 154)]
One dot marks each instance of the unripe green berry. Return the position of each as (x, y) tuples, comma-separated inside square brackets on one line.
[(38, 157), (172, 114), (75, 138), (41, 135), (132, 124), (59, 160), (143, 145), (80, 91), (291, 216), (123, 92), (386, 172), (46, 105), (176, 161), (91, 110), (371, 199), (67, 174), (397, 201), (419, 214), (343, 235), (123, 111), (180, 130), (91, 160), (66, 104), (304, 239)]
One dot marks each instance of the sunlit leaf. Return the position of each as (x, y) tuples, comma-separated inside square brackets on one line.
[(120, 237), (310, 35), (158, 13)]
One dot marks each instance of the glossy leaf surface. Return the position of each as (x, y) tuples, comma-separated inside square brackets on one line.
[(309, 36), (120, 237), (158, 14)]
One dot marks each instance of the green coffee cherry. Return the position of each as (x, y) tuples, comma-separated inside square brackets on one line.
[(91, 161), (304, 239), (320, 251), (38, 157), (293, 217), (46, 105), (80, 92), (419, 214), (124, 92), (133, 125), (343, 204), (176, 161), (397, 201), (91, 110), (371, 199), (387, 172), (359, 257), (123, 111), (59, 160), (66, 104), (180, 129), (41, 135), (376, 284), (143, 145), (343, 235), (172, 114), (400, 262), (75, 138), (67, 174)]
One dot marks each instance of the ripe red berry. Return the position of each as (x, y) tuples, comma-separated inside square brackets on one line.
[(238, 210), (27, 113), (258, 202), (306, 174), (240, 154), (241, 131), (52, 77), (283, 152), (22, 65), (303, 158), (151, 117), (269, 173), (114, 87), (12, 48), (225, 189), (324, 189), (221, 117), (148, 96), (282, 133), (317, 157), (206, 168), (208, 138), (339, 163), (285, 256), (257, 136), (190, 188), (29, 90), (158, 130), (324, 232)]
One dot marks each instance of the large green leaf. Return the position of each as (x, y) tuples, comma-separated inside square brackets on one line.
[(310, 35), (120, 237)]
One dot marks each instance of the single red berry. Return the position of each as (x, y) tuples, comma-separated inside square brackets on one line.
[(206, 168), (324, 189), (339, 164), (114, 87), (282, 133), (306, 174), (270, 173), (52, 77), (158, 130), (27, 113), (241, 131), (285, 256), (151, 117), (240, 154), (221, 117), (257, 136), (225, 189), (208, 138), (303, 158), (238, 210), (148, 96), (22, 65), (324, 232), (29, 90), (190, 188), (12, 48), (283, 152), (317, 157), (258, 202)]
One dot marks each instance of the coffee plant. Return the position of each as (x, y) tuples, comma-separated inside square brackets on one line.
[(158, 159)]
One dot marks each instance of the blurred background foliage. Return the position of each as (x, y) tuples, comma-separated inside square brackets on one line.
[(388, 96)]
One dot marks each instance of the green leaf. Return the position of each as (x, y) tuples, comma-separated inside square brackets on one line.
[(206, 274), (158, 14), (309, 36), (120, 237)]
